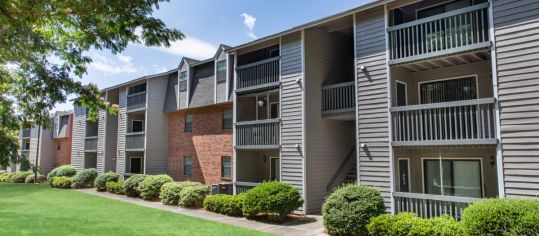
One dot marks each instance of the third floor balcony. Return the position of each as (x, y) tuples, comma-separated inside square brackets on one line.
[(259, 75)]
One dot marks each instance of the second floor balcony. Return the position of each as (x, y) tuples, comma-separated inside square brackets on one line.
[(258, 134), (259, 75), (136, 101), (135, 141), (339, 101)]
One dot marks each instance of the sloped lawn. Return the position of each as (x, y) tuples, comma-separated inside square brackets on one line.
[(28, 209)]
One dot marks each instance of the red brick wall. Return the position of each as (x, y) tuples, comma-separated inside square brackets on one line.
[(62, 156), (206, 144)]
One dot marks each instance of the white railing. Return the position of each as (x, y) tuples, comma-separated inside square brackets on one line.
[(258, 134), (243, 187), (258, 75), (136, 101), (445, 123), (459, 30), (134, 141), (338, 99), (429, 205), (90, 143)]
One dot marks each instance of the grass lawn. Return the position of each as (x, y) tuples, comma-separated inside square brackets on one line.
[(28, 209)]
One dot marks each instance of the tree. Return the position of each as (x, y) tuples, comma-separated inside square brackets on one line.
[(41, 55)]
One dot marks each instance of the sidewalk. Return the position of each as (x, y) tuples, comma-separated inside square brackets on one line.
[(310, 225)]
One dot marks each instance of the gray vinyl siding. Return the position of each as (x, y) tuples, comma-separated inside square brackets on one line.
[(156, 157), (516, 25), (372, 95), (230, 77), (101, 136), (292, 111), (32, 154), (79, 131), (46, 147), (221, 92), (171, 100), (183, 94), (202, 85), (327, 141), (122, 128)]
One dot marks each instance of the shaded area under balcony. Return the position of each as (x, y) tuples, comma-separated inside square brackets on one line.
[(254, 167)]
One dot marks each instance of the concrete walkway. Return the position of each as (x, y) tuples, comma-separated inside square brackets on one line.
[(310, 225)]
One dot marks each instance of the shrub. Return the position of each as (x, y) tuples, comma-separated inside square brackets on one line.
[(40, 179), (193, 196), (65, 170), (230, 205), (348, 209), (406, 223), (274, 199), (19, 177), (61, 182), (100, 182), (502, 217), (131, 185), (170, 192), (116, 187), (7, 176), (85, 178), (4, 177), (151, 186)]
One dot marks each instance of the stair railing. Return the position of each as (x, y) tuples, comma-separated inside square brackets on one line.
[(341, 168)]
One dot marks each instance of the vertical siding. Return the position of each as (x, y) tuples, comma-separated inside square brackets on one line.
[(327, 141), (101, 136), (172, 90), (516, 29), (183, 94), (122, 127), (46, 149), (156, 127), (292, 111), (79, 130), (372, 103)]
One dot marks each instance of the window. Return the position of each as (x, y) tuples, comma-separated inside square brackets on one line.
[(27, 146), (58, 147), (448, 90), (401, 94), (62, 129), (137, 126), (458, 178), (188, 123), (187, 165), (183, 80), (226, 167), (274, 110), (227, 119), (137, 89), (135, 164), (221, 71)]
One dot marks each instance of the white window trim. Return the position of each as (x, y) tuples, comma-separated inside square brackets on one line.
[(454, 158), (448, 78)]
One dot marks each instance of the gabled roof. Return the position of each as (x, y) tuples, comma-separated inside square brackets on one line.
[(221, 48), (189, 61), (140, 79)]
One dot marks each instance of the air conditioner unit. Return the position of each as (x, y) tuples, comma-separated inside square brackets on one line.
[(224, 188)]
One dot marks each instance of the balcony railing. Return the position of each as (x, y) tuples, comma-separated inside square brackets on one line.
[(338, 99), (243, 187), (26, 133), (456, 31), (429, 205), (90, 144), (458, 123), (259, 134), (135, 141), (136, 101), (259, 75)]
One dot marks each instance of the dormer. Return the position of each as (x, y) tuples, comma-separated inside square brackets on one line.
[(222, 75)]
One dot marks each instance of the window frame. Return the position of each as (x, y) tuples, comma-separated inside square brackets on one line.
[(142, 126), (182, 80), (190, 158), (188, 123), (475, 76), (481, 171), (224, 120), (223, 167)]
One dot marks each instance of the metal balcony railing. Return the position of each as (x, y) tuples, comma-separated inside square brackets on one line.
[(90, 144), (136, 101), (243, 187), (259, 134), (135, 141), (429, 205), (259, 75), (338, 99)]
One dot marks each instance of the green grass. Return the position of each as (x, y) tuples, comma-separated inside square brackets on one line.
[(28, 209)]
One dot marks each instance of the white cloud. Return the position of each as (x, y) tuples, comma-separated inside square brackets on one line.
[(249, 21), (158, 69), (124, 58), (190, 47), (110, 66)]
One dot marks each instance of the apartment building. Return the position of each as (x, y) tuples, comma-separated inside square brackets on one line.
[(48, 148), (431, 102)]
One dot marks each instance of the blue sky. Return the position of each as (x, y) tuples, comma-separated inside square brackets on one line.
[(206, 24)]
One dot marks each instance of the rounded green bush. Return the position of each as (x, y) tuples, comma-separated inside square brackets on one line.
[(348, 210), (61, 182), (100, 182), (502, 216), (193, 196), (19, 177), (116, 187), (275, 199), (40, 179), (131, 185), (65, 170), (151, 186), (406, 223), (170, 192), (84, 178), (230, 205), (4, 177)]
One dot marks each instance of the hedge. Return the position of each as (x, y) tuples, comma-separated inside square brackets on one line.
[(230, 205), (116, 187), (19, 177), (40, 179), (4, 177), (85, 178), (61, 182), (100, 182), (406, 223), (348, 209), (131, 185), (65, 170), (193, 196), (502, 216), (170, 192), (151, 186), (275, 199)]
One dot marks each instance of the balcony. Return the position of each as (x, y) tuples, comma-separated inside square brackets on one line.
[(136, 101), (429, 205), (258, 76), (90, 144), (454, 32), (26, 133), (338, 100), (259, 134), (465, 122), (135, 141)]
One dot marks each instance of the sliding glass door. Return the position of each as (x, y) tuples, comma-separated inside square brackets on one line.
[(454, 178)]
